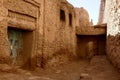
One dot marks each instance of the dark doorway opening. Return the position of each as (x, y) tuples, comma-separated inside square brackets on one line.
[(90, 45)]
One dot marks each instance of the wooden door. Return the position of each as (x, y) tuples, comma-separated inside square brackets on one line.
[(15, 39)]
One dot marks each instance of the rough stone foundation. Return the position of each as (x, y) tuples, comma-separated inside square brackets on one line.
[(113, 49)]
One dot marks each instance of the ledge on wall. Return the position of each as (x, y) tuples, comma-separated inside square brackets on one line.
[(99, 29), (104, 25)]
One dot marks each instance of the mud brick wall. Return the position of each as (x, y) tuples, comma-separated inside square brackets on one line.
[(4, 44), (13, 15), (55, 40), (82, 19), (58, 38), (113, 35), (113, 49)]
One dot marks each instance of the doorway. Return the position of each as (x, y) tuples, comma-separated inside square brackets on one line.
[(16, 43), (22, 45)]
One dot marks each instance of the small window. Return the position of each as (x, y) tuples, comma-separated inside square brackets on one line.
[(62, 15), (70, 19)]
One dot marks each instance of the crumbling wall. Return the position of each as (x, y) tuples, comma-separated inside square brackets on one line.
[(50, 43), (58, 38), (113, 35)]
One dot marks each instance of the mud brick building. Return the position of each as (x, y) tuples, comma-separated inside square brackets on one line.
[(57, 32), (18, 30), (35, 33)]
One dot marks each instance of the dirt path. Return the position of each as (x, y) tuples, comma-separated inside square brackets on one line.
[(98, 69)]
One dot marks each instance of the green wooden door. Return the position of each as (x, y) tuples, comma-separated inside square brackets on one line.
[(15, 39)]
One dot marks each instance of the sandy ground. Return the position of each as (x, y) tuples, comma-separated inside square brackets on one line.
[(99, 68)]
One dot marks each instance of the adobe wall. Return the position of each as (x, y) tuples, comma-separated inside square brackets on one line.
[(50, 36), (113, 35), (82, 20), (17, 14), (4, 44), (59, 41)]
